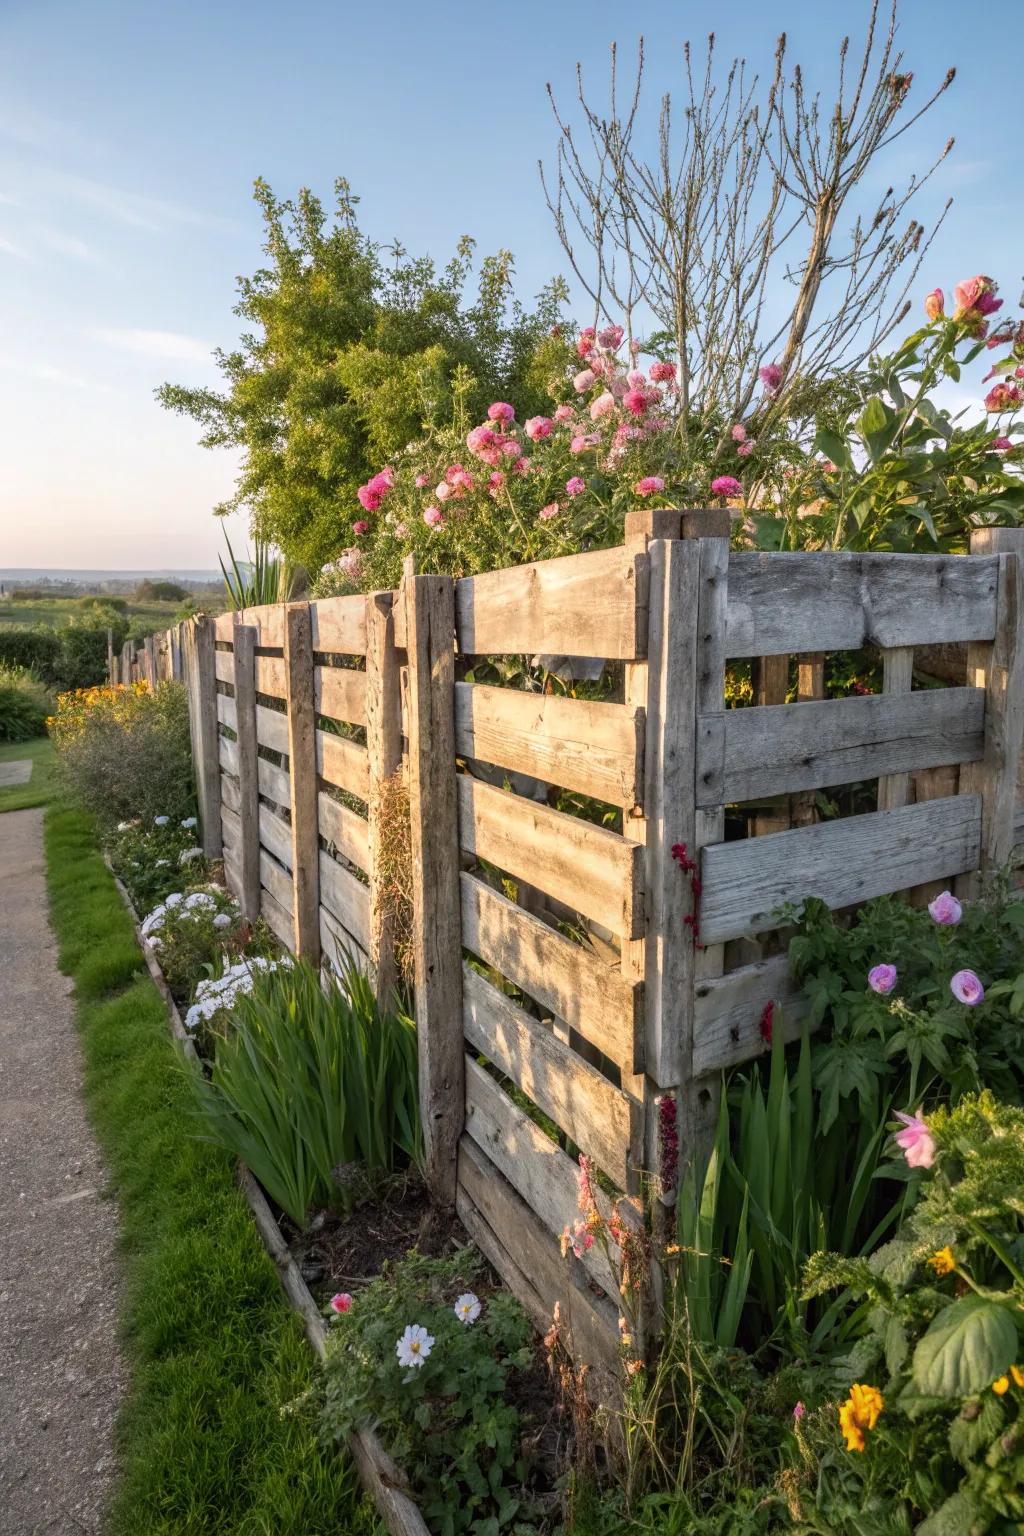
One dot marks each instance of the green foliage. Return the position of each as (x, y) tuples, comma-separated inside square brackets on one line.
[(452, 1422), (196, 936), (25, 704), (156, 592), (155, 861), (36, 648), (212, 1435), (310, 1081), (347, 349), (267, 579)]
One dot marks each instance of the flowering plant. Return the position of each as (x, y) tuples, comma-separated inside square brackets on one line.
[(156, 858), (197, 934)]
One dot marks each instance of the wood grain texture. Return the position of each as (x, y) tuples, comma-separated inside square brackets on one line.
[(267, 620), (272, 729), (345, 897), (229, 792), (277, 881), (729, 1007), (437, 935), (339, 626), (275, 835), (340, 692), (591, 997), (274, 782), (384, 765), (271, 676), (244, 705), (598, 1117), (339, 946), (897, 679), (344, 830), (302, 758), (227, 755), (277, 918), (1000, 668), (592, 870), (226, 712), (745, 754), (202, 699), (781, 603), (841, 862), (578, 605), (343, 763), (596, 749), (224, 666)]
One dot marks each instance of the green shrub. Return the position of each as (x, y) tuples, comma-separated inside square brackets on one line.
[(25, 704), (156, 858), (82, 660), (309, 1081), (36, 647)]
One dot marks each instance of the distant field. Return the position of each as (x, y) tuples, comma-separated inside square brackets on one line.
[(58, 611)]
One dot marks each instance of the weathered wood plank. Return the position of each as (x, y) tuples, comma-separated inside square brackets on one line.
[(271, 678), (1000, 668), (278, 882), (897, 679), (841, 862), (384, 764), (578, 605), (202, 698), (227, 755), (588, 868), (339, 626), (278, 918), (744, 754), (267, 620), (830, 600), (579, 988), (596, 749), (231, 829), (275, 835), (274, 782), (272, 728), (347, 831), (338, 945), (244, 708), (226, 712), (343, 763), (224, 666), (302, 758), (729, 1010), (346, 898), (340, 692), (229, 792), (598, 1117)]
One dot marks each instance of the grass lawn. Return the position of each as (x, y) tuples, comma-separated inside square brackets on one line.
[(42, 786), (215, 1352), (58, 611)]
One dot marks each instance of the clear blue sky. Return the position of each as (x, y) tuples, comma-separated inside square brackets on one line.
[(131, 132)]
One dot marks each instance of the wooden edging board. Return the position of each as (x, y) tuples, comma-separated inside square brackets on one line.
[(378, 1474)]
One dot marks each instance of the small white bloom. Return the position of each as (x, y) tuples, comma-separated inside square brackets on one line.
[(190, 821), (188, 854), (162, 864), (414, 1346), (222, 920), (467, 1308), (160, 821), (174, 900)]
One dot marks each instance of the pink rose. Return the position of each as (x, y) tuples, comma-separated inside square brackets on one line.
[(551, 510), (369, 499), (746, 449), (663, 373), (915, 1141), (945, 909), (500, 411), (360, 527), (770, 376), (1004, 444), (585, 341), (602, 406), (480, 438), (935, 304), (882, 979), (575, 486), (739, 433), (966, 988), (537, 427), (650, 485), (433, 517), (635, 401), (564, 413), (611, 337), (582, 382), (726, 485), (342, 1302)]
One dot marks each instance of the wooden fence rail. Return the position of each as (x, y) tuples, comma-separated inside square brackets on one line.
[(592, 946)]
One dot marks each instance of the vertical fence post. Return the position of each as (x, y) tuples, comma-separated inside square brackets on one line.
[(384, 755), (175, 639), (202, 710), (110, 657), (897, 677), (437, 920), (248, 769), (301, 703), (150, 660), (999, 669)]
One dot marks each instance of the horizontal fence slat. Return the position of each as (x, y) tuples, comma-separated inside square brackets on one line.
[(346, 829), (230, 792), (338, 944), (276, 880), (231, 825), (227, 751), (543, 1174), (728, 1011), (567, 978), (277, 918), (272, 729), (276, 835), (343, 763), (340, 692), (273, 782), (270, 676), (339, 625), (596, 749), (598, 1117), (744, 754), (578, 605), (841, 862), (588, 868), (780, 604), (267, 620), (226, 712), (224, 666), (346, 898)]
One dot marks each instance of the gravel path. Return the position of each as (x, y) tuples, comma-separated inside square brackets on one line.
[(60, 1371)]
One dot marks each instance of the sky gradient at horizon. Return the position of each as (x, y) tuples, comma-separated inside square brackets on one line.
[(130, 136)]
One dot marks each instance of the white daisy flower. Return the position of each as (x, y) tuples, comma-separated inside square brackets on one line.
[(160, 821), (467, 1308), (414, 1346)]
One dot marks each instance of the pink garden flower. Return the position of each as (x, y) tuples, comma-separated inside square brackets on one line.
[(1002, 397), (360, 527), (421, 481), (935, 304), (726, 485), (635, 379), (882, 979), (945, 909), (580, 443), (495, 481), (369, 499), (478, 440), (546, 513), (537, 427), (1004, 444), (582, 382), (798, 1412), (458, 479), (501, 411), (662, 373), (635, 401), (585, 343), (915, 1141), (341, 1303), (770, 376), (521, 466), (966, 988), (739, 433), (350, 563), (977, 294), (602, 406), (564, 413), (746, 449), (650, 485), (611, 337), (575, 486), (433, 517), (442, 490)]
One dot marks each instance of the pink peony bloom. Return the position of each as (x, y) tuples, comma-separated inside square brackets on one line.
[(421, 481), (342, 1302), (585, 342), (551, 510), (635, 401), (564, 413), (739, 433), (369, 499), (945, 909), (650, 485), (635, 379), (537, 427), (1004, 444), (602, 406), (433, 517), (935, 304), (501, 411), (966, 988), (360, 527), (611, 337), (746, 449), (882, 979), (916, 1141), (582, 382), (479, 439), (1002, 397), (726, 485), (575, 486), (770, 376), (663, 373)]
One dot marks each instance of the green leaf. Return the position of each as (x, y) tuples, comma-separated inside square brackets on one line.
[(976, 1427), (953, 1518), (896, 1346), (969, 1344)]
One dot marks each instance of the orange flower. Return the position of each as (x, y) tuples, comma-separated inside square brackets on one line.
[(943, 1262), (859, 1413)]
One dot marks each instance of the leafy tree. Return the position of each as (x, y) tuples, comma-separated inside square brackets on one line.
[(160, 592), (349, 349)]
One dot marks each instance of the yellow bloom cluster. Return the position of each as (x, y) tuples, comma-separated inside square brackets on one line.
[(859, 1413), (943, 1262), (75, 708), (1001, 1385)]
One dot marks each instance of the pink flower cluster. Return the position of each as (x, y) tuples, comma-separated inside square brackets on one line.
[(373, 492)]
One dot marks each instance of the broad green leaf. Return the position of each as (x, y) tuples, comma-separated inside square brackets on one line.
[(971, 1343)]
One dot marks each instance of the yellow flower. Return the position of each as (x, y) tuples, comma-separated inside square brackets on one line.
[(1001, 1385), (858, 1413), (1018, 1374), (943, 1262)]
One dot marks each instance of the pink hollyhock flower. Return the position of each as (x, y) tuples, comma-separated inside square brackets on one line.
[(369, 499), (915, 1141), (611, 337), (582, 382), (537, 427), (650, 485), (663, 373), (746, 449), (1004, 444), (360, 527), (945, 909), (586, 339), (726, 485), (882, 979), (770, 376), (433, 517), (635, 401), (501, 411), (935, 304), (575, 486), (602, 406), (421, 481), (966, 988), (342, 1302), (739, 433), (564, 413), (1002, 397), (551, 510)]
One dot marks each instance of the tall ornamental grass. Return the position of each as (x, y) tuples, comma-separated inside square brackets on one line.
[(25, 704)]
